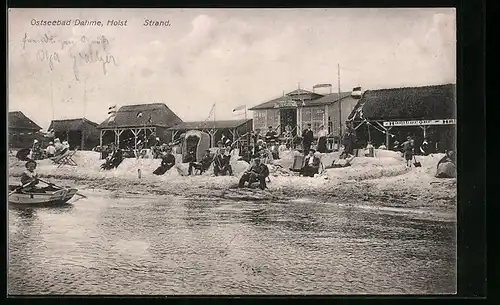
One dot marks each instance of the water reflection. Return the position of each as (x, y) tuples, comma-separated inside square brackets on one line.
[(166, 245)]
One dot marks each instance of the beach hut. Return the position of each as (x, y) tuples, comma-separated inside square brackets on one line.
[(235, 129), (134, 123), (387, 115), (197, 141), (79, 132), (22, 130)]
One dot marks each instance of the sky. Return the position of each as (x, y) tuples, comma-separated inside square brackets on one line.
[(229, 57)]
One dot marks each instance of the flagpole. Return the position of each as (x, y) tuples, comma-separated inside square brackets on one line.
[(51, 97), (85, 98), (340, 101)]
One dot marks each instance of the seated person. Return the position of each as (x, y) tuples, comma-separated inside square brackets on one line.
[(203, 165), (60, 148), (311, 165), (37, 153), (265, 154), (30, 176), (23, 154), (449, 157), (113, 160), (271, 135), (50, 150), (258, 148), (446, 166), (257, 172), (167, 162), (222, 163)]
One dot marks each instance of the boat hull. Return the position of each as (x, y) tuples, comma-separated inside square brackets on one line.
[(43, 198)]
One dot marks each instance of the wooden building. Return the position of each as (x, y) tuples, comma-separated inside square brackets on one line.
[(80, 132), (22, 130), (388, 115), (134, 123), (233, 129), (301, 107)]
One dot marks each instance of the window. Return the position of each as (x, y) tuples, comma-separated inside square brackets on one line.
[(273, 118), (259, 119), (318, 115), (306, 117)]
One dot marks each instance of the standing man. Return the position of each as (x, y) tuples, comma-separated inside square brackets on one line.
[(408, 150), (307, 139)]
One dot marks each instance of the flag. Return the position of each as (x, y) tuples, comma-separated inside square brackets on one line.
[(211, 111), (241, 107), (112, 109), (356, 92), (139, 115), (321, 86)]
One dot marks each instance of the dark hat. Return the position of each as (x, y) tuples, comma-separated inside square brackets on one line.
[(30, 161), (270, 126), (312, 150), (308, 124)]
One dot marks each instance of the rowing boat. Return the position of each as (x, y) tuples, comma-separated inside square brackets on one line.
[(41, 196)]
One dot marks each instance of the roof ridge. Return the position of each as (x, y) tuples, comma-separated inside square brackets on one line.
[(413, 87)]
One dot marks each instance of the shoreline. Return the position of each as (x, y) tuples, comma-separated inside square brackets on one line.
[(372, 182)]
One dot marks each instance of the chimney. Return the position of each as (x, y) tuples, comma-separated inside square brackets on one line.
[(356, 93)]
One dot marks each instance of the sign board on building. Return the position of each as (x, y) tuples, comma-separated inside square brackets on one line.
[(419, 123), (286, 103)]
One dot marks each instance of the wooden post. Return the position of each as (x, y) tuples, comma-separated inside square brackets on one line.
[(117, 137), (82, 140), (101, 133), (135, 133), (387, 137), (424, 128)]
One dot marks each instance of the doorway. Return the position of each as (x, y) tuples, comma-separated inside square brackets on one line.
[(288, 117)]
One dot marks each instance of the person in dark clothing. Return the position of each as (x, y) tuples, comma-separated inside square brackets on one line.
[(408, 150), (114, 160), (203, 165), (258, 172), (226, 141), (167, 162), (256, 136), (425, 147), (348, 141), (23, 154), (30, 176), (449, 157), (222, 163), (311, 165), (307, 139), (271, 135)]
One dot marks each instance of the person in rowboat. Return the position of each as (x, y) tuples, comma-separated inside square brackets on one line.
[(30, 176)]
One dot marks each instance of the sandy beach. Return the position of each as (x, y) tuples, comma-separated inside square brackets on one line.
[(380, 181)]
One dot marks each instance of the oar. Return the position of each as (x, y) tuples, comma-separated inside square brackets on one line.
[(59, 187), (19, 188)]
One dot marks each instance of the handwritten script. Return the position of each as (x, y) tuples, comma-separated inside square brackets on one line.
[(80, 51)]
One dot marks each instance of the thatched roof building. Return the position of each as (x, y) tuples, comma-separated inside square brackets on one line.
[(422, 112), (138, 123), (413, 103), (156, 114)]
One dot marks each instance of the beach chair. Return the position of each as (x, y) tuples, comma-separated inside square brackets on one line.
[(298, 161), (65, 159)]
